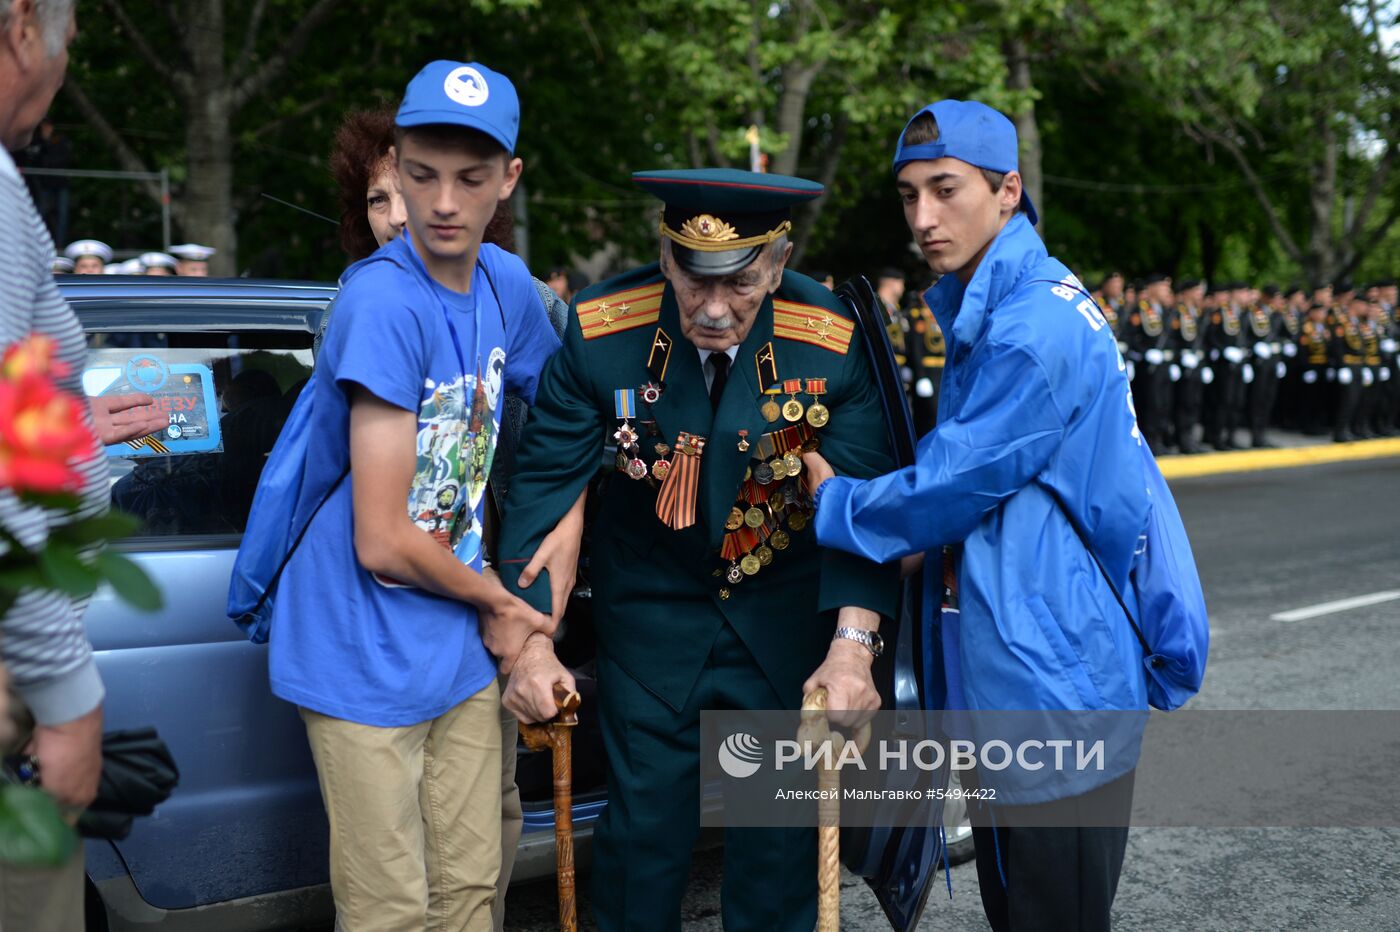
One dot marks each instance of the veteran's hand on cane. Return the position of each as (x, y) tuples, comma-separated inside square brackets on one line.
[(530, 689), (119, 418), (850, 689), (816, 470), (506, 622), (558, 553)]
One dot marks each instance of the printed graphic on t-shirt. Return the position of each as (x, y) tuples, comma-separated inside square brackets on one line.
[(457, 430)]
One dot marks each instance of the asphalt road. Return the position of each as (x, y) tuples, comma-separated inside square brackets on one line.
[(1266, 543)]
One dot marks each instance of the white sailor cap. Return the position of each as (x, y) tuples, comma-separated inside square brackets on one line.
[(131, 267), (193, 252), (88, 247), (62, 264), (113, 268), (154, 260)]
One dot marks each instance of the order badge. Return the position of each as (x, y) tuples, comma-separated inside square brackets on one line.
[(184, 392)]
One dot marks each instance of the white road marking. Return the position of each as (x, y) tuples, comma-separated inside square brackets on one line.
[(1341, 605)]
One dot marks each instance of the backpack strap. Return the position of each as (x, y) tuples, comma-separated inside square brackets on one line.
[(1147, 650), (272, 583)]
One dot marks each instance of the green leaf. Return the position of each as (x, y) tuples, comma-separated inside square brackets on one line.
[(129, 581), (32, 833), (66, 572), (114, 525)]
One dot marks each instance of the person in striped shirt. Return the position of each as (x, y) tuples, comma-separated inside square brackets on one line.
[(42, 641)]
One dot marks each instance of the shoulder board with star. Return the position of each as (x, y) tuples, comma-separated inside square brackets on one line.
[(620, 311), (811, 323)]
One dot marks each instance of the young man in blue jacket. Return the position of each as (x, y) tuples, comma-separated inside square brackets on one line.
[(1035, 420)]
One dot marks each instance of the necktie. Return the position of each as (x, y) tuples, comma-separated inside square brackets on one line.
[(719, 363)]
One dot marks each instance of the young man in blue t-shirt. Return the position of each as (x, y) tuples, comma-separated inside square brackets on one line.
[(386, 622)]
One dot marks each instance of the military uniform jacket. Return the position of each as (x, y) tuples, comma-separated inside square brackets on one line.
[(1187, 338), (661, 595), (1225, 331), (1144, 330), (1314, 342)]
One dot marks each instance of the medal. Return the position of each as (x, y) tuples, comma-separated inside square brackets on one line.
[(750, 564), (743, 441), (793, 463), (651, 393), (723, 594), (764, 554), (780, 540), (621, 461), (792, 408), (734, 574), (637, 469), (662, 449), (797, 521), (661, 469), (771, 411), (817, 413), (753, 518), (779, 467), (735, 519), (625, 404), (763, 474)]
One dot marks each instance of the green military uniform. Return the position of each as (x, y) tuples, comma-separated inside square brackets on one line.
[(734, 610)]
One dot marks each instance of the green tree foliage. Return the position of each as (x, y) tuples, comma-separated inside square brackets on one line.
[(1249, 137)]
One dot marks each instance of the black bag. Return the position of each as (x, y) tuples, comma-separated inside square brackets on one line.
[(138, 774)]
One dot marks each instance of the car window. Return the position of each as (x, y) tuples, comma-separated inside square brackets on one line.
[(226, 396)]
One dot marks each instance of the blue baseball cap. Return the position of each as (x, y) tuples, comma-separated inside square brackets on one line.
[(973, 133), (463, 94)]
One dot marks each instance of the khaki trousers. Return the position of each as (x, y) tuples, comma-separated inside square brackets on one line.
[(414, 814), (43, 899), (512, 818)]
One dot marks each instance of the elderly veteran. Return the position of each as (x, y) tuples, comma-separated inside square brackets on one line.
[(704, 376)]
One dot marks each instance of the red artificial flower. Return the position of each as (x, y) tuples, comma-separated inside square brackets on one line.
[(41, 430), (33, 356)]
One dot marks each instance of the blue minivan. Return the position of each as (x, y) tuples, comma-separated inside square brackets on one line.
[(242, 842)]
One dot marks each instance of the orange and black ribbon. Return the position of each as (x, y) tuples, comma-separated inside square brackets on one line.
[(778, 442), (675, 503)]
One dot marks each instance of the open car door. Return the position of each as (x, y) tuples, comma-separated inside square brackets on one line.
[(898, 862)]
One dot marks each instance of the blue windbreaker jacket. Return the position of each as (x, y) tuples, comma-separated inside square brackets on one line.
[(1034, 395)]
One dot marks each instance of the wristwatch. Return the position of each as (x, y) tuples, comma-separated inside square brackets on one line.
[(871, 639)]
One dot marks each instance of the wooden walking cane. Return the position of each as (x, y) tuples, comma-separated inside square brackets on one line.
[(557, 734), (817, 730)]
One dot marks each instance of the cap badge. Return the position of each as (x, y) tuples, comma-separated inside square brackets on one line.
[(708, 229), (466, 86)]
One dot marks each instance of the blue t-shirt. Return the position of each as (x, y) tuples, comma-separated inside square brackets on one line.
[(350, 644)]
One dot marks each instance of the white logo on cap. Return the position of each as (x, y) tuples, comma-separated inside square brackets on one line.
[(466, 86)]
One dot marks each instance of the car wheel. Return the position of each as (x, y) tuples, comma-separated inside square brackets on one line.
[(957, 827)]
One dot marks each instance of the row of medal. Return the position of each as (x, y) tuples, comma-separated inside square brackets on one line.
[(772, 502)]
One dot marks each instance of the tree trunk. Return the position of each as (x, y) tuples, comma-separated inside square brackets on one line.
[(806, 221), (1018, 73), (1210, 252), (792, 113), (208, 192), (1321, 261)]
